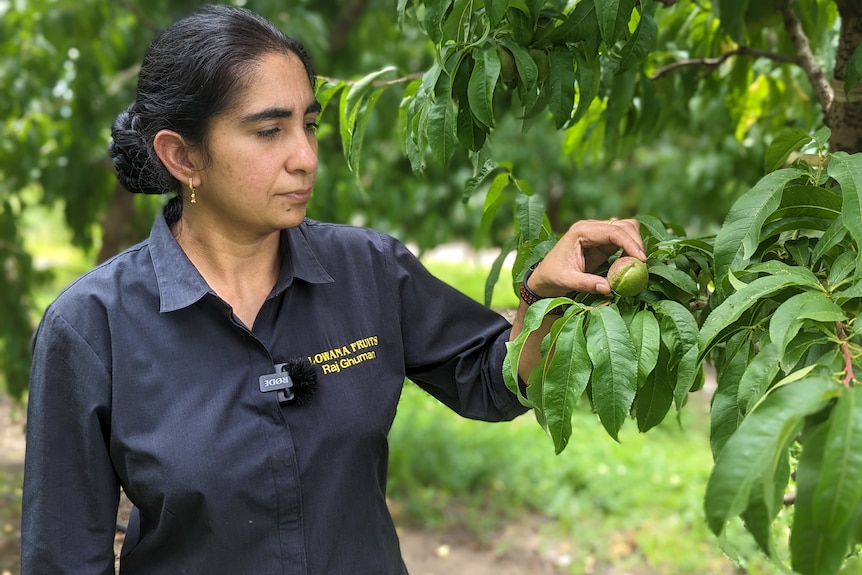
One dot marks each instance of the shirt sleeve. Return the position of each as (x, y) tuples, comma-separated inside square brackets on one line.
[(71, 492), (454, 346)]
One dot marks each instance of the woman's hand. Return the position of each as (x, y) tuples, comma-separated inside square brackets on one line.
[(568, 268), (585, 246)]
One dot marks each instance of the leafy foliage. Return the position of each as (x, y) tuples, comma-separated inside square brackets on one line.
[(772, 301)]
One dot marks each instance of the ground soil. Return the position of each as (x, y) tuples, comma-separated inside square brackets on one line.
[(514, 550)]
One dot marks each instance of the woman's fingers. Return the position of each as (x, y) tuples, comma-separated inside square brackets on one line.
[(586, 245)]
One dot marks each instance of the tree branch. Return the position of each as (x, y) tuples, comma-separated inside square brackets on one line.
[(713, 63), (822, 90), (848, 360), (378, 83)]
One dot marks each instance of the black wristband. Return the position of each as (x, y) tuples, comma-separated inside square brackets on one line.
[(529, 296)]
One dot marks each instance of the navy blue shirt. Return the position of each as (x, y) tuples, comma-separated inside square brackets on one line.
[(144, 379)]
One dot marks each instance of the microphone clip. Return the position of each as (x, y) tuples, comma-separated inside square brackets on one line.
[(279, 382), (295, 381)]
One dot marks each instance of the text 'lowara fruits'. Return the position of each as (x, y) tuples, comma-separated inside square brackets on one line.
[(628, 276)]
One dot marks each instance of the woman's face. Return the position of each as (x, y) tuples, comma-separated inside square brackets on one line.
[(262, 154)]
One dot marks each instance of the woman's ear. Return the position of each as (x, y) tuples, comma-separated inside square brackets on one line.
[(175, 154)]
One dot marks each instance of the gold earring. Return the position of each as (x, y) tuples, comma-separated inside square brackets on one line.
[(192, 198)]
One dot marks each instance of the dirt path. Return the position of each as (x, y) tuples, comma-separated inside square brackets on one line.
[(515, 550)]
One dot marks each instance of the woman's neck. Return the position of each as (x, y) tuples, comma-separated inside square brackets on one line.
[(241, 270)]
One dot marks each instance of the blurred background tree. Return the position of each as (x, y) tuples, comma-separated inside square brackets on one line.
[(680, 134)]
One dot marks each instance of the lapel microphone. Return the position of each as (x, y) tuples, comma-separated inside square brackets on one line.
[(294, 381)]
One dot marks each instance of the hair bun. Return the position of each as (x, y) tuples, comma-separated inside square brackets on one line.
[(137, 168)]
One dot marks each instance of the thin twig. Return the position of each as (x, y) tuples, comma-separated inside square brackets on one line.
[(378, 83), (848, 360), (712, 63)]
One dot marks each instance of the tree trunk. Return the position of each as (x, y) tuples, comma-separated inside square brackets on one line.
[(845, 115), (116, 226)]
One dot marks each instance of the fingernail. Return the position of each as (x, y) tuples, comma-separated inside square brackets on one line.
[(642, 254), (603, 288)]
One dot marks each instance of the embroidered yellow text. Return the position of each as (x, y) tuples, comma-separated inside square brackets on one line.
[(346, 356)]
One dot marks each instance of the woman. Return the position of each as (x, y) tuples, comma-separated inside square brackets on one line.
[(151, 373)]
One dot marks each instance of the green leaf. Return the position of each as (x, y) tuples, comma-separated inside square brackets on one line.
[(739, 237), (456, 26), (614, 16), (528, 72), (614, 377), (765, 502), (798, 347), (678, 278), (496, 267), (619, 103), (530, 210), (580, 25), (652, 226), (786, 141), (358, 136), (798, 200), (813, 550), (352, 102), (589, 77), (733, 307), (684, 327), (758, 376), (852, 70), (842, 268), (470, 133), (434, 14), (494, 199), (644, 330), (759, 442), (834, 235), (566, 379), (732, 15), (654, 399), (496, 9), (532, 321), (640, 45), (483, 81), (442, 129), (852, 292), (839, 489), (562, 85), (789, 317), (326, 91), (847, 171), (479, 177), (725, 415), (822, 136)]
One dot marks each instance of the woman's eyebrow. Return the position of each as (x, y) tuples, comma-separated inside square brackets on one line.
[(276, 113)]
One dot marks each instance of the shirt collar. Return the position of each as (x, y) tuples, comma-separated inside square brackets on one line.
[(181, 284), (300, 260)]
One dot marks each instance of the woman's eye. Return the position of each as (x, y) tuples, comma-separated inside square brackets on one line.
[(269, 134), (311, 127)]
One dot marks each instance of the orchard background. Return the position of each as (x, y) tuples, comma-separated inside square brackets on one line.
[(731, 129)]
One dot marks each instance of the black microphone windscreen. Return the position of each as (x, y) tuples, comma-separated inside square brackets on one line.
[(304, 375)]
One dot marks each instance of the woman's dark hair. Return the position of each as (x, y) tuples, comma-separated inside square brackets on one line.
[(192, 71)]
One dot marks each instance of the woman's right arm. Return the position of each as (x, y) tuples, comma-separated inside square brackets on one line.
[(71, 491)]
